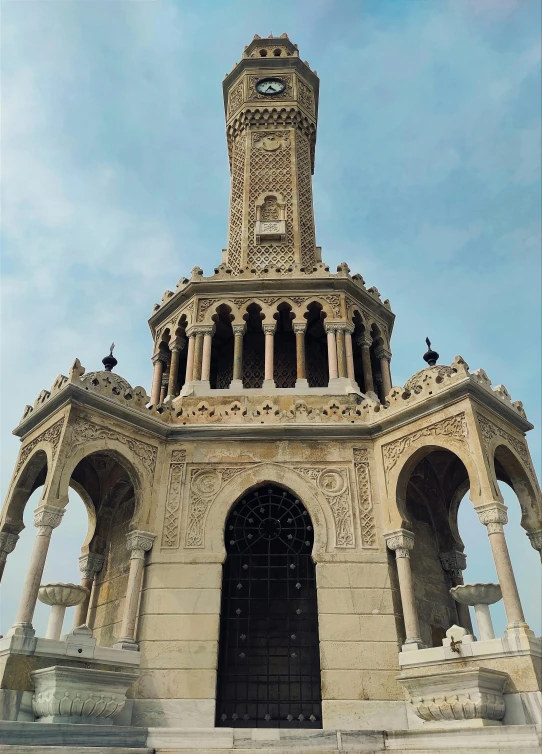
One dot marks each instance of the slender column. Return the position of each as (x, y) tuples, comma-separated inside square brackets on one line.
[(384, 356), (454, 563), (46, 518), (163, 389), (299, 331), (493, 515), (365, 342), (138, 543), (8, 540), (341, 355), (89, 565), (238, 339), (401, 542), (485, 624), (349, 329), (190, 356), (208, 333), (269, 332), (176, 349), (198, 355), (159, 360), (535, 538), (331, 351)]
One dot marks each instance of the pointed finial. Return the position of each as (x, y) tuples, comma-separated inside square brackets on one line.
[(430, 356), (110, 361)]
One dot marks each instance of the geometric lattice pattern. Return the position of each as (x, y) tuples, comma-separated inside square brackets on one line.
[(304, 187), (236, 203)]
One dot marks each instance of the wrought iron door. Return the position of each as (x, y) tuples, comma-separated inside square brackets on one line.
[(269, 660)]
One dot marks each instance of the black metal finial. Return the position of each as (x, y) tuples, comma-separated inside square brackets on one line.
[(430, 356), (110, 361)]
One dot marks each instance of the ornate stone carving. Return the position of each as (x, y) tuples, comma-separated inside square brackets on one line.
[(489, 430), (170, 530), (454, 427), (493, 515), (203, 306), (47, 518), (535, 538), (91, 564), (205, 483), (236, 97), (305, 95), (8, 540), (453, 562), (400, 541), (237, 202), (139, 542), (366, 513), (51, 435), (305, 208), (334, 485), (335, 303), (85, 431)]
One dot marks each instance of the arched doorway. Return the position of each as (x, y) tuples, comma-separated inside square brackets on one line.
[(269, 660)]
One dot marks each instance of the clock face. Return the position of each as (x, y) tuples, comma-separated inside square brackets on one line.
[(270, 86)]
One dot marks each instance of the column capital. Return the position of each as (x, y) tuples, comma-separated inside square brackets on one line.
[(239, 329), (335, 327), (349, 328), (454, 562), (365, 340), (178, 345), (535, 538), (400, 541), (269, 328), (493, 515), (160, 357), (139, 542), (47, 518), (90, 564), (381, 352), (299, 327), (8, 540), (195, 330)]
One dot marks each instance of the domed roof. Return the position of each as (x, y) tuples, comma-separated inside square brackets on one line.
[(115, 379), (437, 371)]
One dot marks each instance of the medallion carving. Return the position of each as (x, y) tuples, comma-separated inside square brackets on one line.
[(334, 486), (205, 483), (51, 435), (453, 427), (366, 513), (170, 530)]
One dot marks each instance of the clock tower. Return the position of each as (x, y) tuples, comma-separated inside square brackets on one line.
[(271, 104)]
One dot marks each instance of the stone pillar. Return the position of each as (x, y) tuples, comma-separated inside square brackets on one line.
[(349, 352), (198, 354), (89, 565), (384, 356), (138, 543), (365, 342), (299, 331), (176, 348), (163, 389), (454, 563), (341, 354), (238, 339), (189, 376), (46, 518), (269, 332), (535, 538), (159, 360), (494, 515), (208, 333), (331, 352), (8, 540), (401, 542)]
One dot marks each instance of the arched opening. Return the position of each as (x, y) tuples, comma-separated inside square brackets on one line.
[(316, 346), (269, 662), (359, 331), (180, 339), (253, 348), (284, 346), (222, 348), (375, 362)]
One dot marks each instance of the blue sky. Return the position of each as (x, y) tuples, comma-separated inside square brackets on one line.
[(115, 183)]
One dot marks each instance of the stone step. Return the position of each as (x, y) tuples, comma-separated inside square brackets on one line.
[(47, 735)]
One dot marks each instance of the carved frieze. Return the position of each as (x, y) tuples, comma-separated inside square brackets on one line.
[(205, 483), (203, 307), (366, 513), (172, 512), (453, 427), (489, 430), (334, 485), (51, 435)]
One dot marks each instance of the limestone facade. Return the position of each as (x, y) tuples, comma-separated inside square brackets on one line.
[(273, 371)]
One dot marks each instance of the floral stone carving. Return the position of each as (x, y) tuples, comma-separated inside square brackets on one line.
[(170, 531), (205, 483), (367, 519), (335, 487), (457, 695), (79, 695)]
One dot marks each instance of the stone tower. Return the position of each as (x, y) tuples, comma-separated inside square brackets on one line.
[(273, 530)]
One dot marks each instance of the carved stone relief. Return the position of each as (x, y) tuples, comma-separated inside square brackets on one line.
[(367, 520), (335, 487), (85, 431), (489, 430), (51, 435), (454, 427), (205, 483), (236, 97), (203, 306), (170, 531)]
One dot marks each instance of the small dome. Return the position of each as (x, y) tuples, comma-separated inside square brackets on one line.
[(117, 381), (439, 370)]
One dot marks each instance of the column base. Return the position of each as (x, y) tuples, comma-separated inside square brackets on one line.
[(236, 385), (340, 383), (412, 644), (267, 384), (22, 629), (187, 389), (301, 383), (126, 643)]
